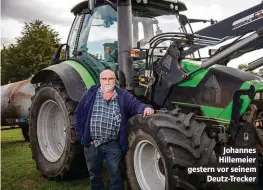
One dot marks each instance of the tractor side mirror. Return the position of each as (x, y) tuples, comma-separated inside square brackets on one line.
[(183, 20), (56, 56)]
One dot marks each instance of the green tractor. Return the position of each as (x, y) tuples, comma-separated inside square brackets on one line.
[(201, 104)]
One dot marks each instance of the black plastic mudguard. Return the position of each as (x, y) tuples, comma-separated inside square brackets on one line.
[(71, 79)]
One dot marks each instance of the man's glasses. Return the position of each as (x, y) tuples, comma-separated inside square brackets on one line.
[(111, 79)]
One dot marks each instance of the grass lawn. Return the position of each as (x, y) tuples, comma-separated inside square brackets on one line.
[(18, 169)]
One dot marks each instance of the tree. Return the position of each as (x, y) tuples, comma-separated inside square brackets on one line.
[(242, 66), (32, 52)]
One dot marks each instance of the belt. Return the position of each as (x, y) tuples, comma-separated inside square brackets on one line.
[(109, 141)]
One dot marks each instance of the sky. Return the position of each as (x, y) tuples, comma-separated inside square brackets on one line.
[(56, 13)]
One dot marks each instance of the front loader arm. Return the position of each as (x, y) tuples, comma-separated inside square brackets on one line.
[(255, 64), (237, 25)]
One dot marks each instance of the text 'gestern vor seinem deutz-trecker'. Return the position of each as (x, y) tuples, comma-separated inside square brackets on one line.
[(235, 165)]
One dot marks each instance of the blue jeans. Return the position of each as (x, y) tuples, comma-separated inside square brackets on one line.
[(111, 153)]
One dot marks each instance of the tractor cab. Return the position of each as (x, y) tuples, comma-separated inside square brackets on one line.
[(94, 40), (138, 39)]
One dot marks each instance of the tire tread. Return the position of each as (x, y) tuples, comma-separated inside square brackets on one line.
[(74, 162), (183, 142)]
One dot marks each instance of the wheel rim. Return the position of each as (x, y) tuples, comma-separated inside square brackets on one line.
[(147, 162), (51, 130)]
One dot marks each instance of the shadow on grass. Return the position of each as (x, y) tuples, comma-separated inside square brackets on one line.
[(14, 142), (10, 144)]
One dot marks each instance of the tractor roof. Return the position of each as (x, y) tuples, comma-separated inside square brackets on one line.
[(153, 8)]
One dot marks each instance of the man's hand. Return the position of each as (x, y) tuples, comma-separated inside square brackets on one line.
[(148, 111)]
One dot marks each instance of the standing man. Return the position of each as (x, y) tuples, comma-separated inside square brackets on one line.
[(101, 125)]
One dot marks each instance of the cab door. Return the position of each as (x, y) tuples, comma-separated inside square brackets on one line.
[(93, 39)]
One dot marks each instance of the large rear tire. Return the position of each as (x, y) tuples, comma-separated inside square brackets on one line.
[(52, 136), (162, 146)]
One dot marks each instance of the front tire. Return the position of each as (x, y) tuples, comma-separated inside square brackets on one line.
[(52, 136), (162, 146)]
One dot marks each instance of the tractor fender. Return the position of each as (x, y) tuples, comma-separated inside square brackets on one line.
[(72, 74)]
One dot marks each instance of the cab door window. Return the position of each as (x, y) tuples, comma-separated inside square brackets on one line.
[(73, 34), (98, 36)]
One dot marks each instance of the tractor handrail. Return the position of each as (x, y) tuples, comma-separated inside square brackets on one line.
[(184, 34), (202, 40)]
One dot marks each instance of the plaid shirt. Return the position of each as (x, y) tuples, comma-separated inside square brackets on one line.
[(105, 119)]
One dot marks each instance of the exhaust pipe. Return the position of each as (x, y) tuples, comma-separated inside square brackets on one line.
[(125, 44)]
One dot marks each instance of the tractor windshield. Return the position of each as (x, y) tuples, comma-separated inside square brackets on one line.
[(145, 28)]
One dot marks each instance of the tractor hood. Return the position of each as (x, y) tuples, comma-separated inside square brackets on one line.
[(214, 86), (212, 89), (221, 70)]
